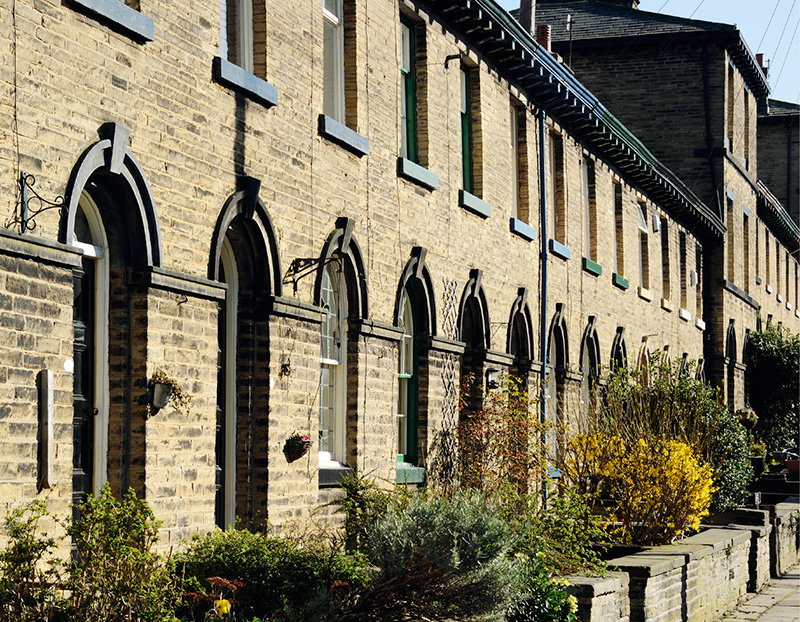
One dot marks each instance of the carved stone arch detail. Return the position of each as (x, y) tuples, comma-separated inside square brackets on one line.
[(341, 244), (520, 321), (111, 160), (475, 298), (590, 348), (246, 204), (417, 277), (558, 340), (619, 351), (730, 343)]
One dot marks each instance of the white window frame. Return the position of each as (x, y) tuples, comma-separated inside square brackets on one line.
[(337, 366), (333, 62), (98, 252), (244, 33), (228, 261), (405, 375)]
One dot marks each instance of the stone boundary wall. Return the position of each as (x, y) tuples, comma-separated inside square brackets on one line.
[(696, 579), (785, 537)]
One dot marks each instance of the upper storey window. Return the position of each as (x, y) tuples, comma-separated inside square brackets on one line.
[(468, 177), (408, 98), (333, 68), (236, 33)]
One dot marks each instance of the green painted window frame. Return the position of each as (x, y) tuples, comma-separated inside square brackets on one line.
[(411, 388), (408, 77), (466, 130)]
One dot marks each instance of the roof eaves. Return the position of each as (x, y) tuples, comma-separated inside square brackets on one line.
[(776, 216), (556, 89)]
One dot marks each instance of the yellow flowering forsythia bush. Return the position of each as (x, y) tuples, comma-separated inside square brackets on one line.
[(659, 488)]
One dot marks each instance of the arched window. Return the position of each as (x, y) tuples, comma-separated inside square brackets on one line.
[(473, 330), (333, 361), (408, 384), (558, 364), (731, 355), (90, 352), (590, 368), (225, 500), (619, 352), (244, 256)]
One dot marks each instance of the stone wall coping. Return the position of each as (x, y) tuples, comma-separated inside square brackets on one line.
[(758, 530), (33, 247), (718, 538), (289, 307), (747, 516), (379, 330), (590, 587), (690, 552), (159, 278), (499, 358), (442, 344), (638, 565)]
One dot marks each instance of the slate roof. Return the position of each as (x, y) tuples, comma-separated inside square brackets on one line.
[(596, 22), (781, 109)]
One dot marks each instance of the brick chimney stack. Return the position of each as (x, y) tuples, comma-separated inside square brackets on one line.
[(527, 15), (763, 65)]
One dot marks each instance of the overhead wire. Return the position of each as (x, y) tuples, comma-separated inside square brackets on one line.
[(766, 30)]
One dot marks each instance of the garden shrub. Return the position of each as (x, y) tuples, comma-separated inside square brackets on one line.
[(277, 575), (30, 575), (665, 402), (658, 488), (117, 576), (500, 443), (563, 535), (363, 504), (772, 367), (544, 598), (439, 559)]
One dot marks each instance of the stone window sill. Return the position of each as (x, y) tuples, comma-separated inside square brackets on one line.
[(473, 204), (343, 136), (700, 324), (592, 267), (118, 16), (559, 250), (522, 229), (645, 294), (409, 474), (667, 305), (620, 281), (330, 476), (684, 315), (234, 77), (418, 174)]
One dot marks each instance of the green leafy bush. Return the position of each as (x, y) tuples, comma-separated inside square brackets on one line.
[(773, 361), (439, 559), (278, 576), (544, 598), (117, 575), (30, 576), (664, 401)]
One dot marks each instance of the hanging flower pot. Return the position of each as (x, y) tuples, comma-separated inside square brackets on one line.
[(162, 394), (296, 447), (165, 391)]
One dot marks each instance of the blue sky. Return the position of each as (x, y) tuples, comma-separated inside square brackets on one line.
[(768, 26)]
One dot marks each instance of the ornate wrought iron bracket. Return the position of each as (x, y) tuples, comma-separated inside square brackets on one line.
[(302, 267), (25, 215)]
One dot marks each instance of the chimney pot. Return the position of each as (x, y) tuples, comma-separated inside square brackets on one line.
[(543, 37)]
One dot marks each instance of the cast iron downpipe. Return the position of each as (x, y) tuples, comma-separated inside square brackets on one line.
[(543, 307)]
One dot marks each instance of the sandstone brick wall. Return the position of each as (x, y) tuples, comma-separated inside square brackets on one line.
[(196, 142)]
